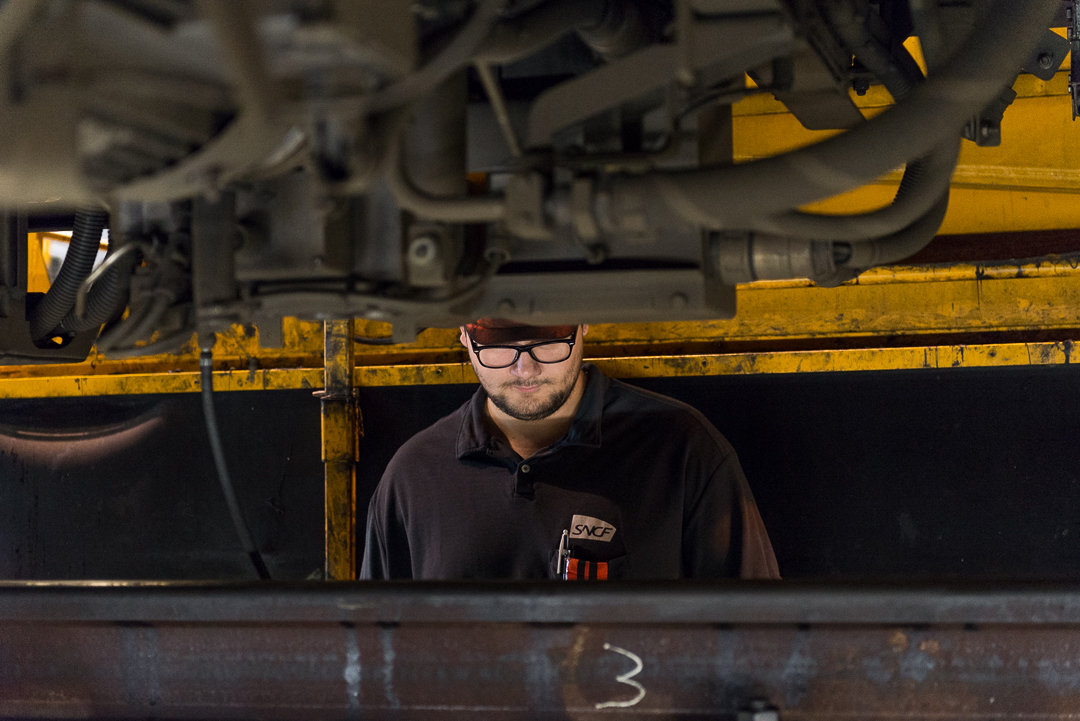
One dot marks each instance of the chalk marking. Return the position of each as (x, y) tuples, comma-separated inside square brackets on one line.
[(627, 679)]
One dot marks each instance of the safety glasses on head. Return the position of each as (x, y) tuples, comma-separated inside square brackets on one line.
[(504, 356)]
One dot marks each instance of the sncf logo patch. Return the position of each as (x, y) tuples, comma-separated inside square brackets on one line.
[(591, 529)]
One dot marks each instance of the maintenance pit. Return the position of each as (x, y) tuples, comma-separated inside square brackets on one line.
[(907, 422)]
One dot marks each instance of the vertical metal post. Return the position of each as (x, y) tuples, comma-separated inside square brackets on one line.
[(13, 250), (341, 429)]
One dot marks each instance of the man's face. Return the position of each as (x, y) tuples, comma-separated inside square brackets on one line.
[(529, 390)]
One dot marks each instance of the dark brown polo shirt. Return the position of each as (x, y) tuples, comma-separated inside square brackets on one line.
[(641, 481)]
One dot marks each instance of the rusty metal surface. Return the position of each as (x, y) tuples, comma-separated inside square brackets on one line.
[(340, 443), (541, 649)]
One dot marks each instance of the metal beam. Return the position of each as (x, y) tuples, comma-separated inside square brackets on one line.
[(887, 302), (942, 357), (539, 649), (340, 445)]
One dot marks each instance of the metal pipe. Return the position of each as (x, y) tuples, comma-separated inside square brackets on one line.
[(425, 205), (502, 115), (234, 24), (456, 55)]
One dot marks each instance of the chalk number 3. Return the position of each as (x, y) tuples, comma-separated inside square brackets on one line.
[(626, 678)]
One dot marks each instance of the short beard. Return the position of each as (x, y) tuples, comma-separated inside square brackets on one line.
[(554, 403)]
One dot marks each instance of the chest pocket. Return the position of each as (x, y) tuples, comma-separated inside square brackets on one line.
[(579, 569)]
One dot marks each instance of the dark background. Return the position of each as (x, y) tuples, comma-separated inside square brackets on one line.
[(932, 474)]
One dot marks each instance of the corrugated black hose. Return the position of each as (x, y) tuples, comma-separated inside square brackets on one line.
[(107, 295), (206, 368), (79, 262)]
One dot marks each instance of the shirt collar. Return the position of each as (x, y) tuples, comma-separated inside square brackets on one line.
[(473, 438)]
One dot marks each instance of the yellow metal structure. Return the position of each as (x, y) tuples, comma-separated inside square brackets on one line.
[(781, 362), (976, 355), (896, 302), (340, 443)]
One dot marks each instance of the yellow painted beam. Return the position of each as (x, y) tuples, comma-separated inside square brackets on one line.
[(783, 362), (989, 355), (882, 302), (142, 383), (897, 301), (847, 360)]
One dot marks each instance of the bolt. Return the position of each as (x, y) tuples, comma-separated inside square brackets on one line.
[(423, 250), (506, 306), (678, 301), (316, 262), (1046, 60)]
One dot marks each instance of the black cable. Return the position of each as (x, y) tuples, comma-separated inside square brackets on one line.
[(206, 368)]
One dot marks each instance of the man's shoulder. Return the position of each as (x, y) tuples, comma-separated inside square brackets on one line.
[(664, 415), (435, 444)]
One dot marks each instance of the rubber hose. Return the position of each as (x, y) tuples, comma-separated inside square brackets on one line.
[(923, 183), (925, 179), (902, 244), (79, 262), (730, 197), (105, 298)]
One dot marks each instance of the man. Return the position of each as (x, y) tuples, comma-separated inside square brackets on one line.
[(553, 470)]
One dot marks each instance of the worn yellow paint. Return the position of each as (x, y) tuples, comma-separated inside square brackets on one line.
[(340, 444), (644, 366), (885, 301), (141, 383), (237, 349), (845, 360), (893, 301), (817, 361), (1024, 184)]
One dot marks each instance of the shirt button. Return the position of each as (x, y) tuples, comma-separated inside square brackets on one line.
[(524, 467)]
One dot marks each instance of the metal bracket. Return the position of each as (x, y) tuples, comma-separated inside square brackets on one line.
[(984, 129)]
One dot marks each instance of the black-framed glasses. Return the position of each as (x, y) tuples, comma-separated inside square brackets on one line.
[(504, 356)]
